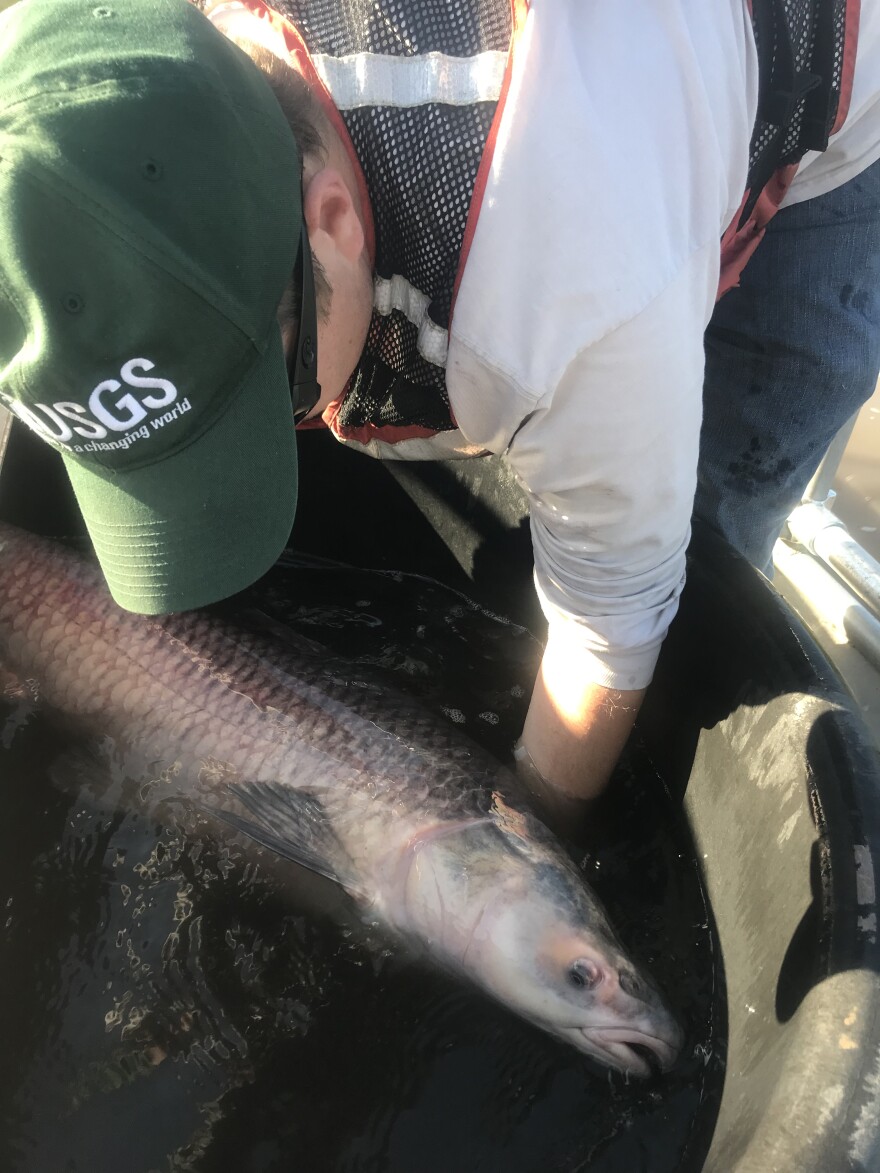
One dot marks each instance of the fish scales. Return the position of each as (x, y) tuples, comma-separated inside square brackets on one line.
[(214, 692), (292, 748)]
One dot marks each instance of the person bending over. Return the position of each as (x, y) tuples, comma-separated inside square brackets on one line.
[(445, 228)]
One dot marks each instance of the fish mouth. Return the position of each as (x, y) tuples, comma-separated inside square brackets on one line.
[(633, 1052)]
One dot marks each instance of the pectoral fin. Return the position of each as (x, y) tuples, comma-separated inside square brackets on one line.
[(293, 825)]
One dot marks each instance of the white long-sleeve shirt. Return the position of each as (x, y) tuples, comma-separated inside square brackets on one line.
[(576, 345)]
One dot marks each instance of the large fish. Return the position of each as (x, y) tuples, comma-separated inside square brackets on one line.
[(416, 822)]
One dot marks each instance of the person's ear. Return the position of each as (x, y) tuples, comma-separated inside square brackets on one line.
[(329, 210)]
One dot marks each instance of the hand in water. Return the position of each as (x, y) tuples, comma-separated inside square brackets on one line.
[(563, 813)]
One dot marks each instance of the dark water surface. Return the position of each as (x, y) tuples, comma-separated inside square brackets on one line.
[(170, 1005)]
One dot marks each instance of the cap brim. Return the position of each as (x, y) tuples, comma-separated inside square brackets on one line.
[(209, 520)]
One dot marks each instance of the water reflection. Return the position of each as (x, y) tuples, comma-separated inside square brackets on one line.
[(171, 1008)]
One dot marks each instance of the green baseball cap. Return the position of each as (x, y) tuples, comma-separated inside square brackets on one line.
[(150, 215)]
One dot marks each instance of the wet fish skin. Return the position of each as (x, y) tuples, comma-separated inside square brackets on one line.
[(288, 745)]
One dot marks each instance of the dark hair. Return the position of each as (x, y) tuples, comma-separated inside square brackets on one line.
[(293, 93), (300, 108)]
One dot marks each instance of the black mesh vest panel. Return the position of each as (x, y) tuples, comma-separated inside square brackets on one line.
[(420, 164), (800, 59)]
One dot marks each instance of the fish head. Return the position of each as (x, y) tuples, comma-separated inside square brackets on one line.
[(544, 947)]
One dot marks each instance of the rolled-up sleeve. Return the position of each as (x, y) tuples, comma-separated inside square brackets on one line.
[(608, 458), (576, 342), (609, 461)]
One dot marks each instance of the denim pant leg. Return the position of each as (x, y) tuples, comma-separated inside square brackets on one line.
[(791, 354)]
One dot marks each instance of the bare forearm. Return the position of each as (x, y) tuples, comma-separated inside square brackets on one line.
[(575, 730)]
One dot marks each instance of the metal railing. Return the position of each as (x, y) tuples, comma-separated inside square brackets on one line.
[(5, 429), (838, 579)]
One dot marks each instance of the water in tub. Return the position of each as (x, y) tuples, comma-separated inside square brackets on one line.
[(179, 1004)]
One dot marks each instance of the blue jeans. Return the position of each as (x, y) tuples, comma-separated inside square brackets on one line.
[(791, 354)]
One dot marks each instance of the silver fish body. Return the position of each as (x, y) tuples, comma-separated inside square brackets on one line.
[(287, 745)]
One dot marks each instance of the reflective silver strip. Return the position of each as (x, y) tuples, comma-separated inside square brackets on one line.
[(399, 294), (375, 79)]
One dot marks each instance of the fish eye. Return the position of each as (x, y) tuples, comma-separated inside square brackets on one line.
[(584, 974)]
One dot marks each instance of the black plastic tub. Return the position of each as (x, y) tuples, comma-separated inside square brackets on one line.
[(752, 733)]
